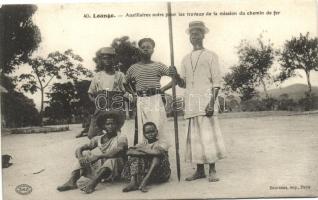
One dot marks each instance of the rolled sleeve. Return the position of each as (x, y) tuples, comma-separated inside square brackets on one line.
[(183, 70), (163, 70), (121, 81), (215, 71)]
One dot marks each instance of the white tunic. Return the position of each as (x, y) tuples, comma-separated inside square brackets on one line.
[(201, 71)]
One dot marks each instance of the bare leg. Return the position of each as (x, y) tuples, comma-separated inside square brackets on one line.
[(154, 164), (199, 173), (71, 183), (132, 185), (212, 173), (90, 187)]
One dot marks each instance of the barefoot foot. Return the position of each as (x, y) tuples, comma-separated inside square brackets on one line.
[(213, 177), (89, 188), (66, 186), (143, 188), (130, 187)]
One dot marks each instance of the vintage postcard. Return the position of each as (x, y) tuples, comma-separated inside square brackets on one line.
[(159, 100)]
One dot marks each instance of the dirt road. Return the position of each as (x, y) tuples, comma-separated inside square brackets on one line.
[(269, 156)]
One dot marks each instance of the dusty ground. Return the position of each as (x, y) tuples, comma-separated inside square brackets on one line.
[(263, 151)]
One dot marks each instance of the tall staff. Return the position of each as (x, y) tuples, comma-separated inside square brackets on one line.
[(175, 116)]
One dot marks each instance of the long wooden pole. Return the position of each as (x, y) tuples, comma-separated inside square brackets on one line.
[(175, 115)]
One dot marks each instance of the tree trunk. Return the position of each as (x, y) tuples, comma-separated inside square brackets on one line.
[(308, 82), (42, 102), (265, 89)]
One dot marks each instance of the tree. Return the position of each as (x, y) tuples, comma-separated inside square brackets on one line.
[(68, 99), (18, 111), (20, 35), (7, 82), (299, 54), (56, 65), (83, 103), (127, 53), (60, 97), (240, 80), (257, 59)]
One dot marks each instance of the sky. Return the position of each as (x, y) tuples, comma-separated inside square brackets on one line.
[(64, 26)]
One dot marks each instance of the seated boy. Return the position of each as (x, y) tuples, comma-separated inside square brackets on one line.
[(105, 158), (147, 163)]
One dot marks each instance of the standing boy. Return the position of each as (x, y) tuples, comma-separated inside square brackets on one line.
[(107, 79), (146, 75)]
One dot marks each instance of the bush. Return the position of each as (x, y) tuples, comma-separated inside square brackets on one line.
[(18, 111), (310, 102), (269, 104), (252, 105), (287, 104)]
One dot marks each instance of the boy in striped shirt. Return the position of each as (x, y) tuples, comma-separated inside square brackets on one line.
[(145, 76)]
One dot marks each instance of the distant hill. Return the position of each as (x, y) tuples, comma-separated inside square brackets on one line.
[(295, 91)]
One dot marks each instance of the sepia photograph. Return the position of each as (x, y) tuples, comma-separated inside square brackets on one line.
[(159, 100)]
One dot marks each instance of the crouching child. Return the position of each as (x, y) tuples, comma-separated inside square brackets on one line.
[(148, 162)]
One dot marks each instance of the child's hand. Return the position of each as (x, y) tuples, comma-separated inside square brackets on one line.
[(93, 158)]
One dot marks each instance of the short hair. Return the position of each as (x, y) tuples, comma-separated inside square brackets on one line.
[(102, 120), (147, 40), (148, 124)]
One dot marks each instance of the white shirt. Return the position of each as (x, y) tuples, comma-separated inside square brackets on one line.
[(104, 81)]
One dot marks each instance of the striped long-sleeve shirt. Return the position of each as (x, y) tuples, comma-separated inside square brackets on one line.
[(146, 75)]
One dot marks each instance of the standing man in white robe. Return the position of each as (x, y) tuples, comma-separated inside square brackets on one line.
[(200, 76)]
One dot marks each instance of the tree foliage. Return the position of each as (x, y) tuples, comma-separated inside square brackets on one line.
[(299, 53), (55, 66), (60, 97), (7, 82), (255, 60), (69, 100), (240, 80), (127, 52), (18, 111), (20, 35), (83, 103)]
